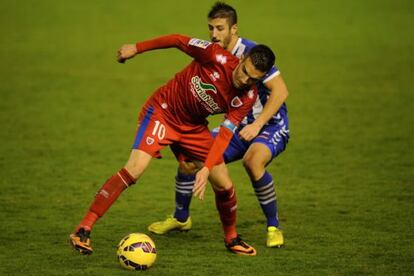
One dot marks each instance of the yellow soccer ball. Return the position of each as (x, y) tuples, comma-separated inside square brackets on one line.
[(136, 252)]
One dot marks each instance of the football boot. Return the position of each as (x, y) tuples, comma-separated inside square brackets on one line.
[(81, 241), (170, 224), (239, 247)]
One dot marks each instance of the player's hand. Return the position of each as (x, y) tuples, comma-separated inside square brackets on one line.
[(201, 183), (249, 131), (127, 51)]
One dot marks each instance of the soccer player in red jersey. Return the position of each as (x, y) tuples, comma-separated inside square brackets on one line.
[(175, 115)]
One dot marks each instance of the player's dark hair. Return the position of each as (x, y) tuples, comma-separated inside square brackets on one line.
[(262, 57), (222, 10)]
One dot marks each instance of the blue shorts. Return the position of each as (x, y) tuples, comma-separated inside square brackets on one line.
[(274, 136)]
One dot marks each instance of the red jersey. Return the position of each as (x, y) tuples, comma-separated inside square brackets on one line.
[(202, 88)]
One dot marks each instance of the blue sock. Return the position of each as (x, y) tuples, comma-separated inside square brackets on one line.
[(184, 184), (265, 192)]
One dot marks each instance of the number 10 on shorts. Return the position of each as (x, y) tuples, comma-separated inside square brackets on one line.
[(159, 130)]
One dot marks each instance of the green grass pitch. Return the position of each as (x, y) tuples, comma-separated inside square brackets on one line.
[(68, 113)]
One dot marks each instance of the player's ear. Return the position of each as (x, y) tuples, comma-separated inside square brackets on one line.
[(234, 29)]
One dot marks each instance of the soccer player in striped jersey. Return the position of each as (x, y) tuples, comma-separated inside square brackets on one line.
[(262, 135)]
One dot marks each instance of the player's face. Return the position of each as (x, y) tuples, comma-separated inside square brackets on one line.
[(221, 32), (245, 74)]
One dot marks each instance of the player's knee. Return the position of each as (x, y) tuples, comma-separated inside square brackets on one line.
[(134, 168), (249, 163), (219, 178), (222, 186), (187, 167), (252, 166), (137, 163)]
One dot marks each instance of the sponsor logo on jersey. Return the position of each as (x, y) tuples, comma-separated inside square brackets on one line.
[(199, 43), (236, 102), (150, 141), (201, 89), (221, 59)]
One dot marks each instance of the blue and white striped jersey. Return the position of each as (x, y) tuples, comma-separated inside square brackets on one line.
[(241, 48)]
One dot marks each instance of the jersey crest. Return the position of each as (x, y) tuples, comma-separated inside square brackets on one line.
[(236, 102), (150, 140)]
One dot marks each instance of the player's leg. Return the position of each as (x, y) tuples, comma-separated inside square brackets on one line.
[(226, 203), (184, 183), (255, 160), (114, 186), (106, 196), (140, 157), (181, 220)]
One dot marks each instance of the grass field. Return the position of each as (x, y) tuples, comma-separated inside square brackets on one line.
[(68, 111)]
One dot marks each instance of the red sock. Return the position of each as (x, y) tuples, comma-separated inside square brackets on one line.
[(226, 203), (107, 195)]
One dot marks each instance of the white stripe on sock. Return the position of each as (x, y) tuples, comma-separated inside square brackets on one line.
[(185, 182), (268, 201), (184, 191), (263, 187)]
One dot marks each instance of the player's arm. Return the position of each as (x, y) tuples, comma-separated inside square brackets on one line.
[(196, 48), (220, 144), (278, 95)]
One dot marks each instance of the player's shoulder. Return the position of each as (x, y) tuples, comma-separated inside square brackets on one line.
[(200, 43), (247, 42), (204, 44), (243, 46), (223, 57), (219, 54)]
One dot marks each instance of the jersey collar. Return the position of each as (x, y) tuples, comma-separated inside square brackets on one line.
[(233, 52)]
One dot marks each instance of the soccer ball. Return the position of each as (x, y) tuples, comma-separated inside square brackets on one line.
[(136, 252)]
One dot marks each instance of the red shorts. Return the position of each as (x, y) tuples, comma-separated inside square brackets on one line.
[(188, 142)]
